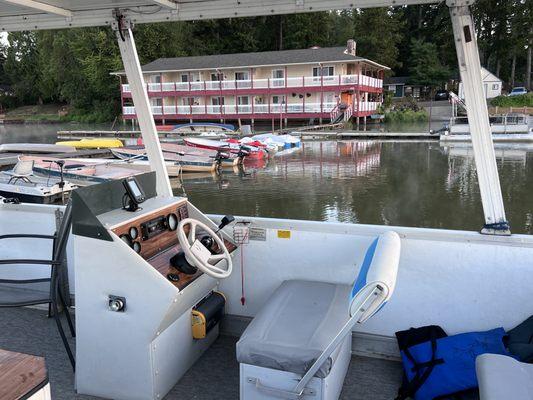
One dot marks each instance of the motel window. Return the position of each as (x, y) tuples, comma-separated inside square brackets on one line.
[(217, 101), (278, 74), (190, 101), (156, 102), (217, 77), (278, 99), (243, 100), (155, 79), (185, 77), (242, 76), (326, 71)]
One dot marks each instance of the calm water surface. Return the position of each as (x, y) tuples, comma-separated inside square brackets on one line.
[(395, 183)]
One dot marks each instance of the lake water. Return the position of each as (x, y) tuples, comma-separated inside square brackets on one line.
[(395, 183)]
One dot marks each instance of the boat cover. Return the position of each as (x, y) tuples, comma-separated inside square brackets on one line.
[(293, 328), (502, 378)]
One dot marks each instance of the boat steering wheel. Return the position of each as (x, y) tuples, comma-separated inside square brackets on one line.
[(199, 255)]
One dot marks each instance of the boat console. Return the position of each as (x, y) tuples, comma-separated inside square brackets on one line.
[(144, 266)]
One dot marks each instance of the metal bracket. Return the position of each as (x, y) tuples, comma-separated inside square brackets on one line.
[(459, 3), (120, 21), (283, 394)]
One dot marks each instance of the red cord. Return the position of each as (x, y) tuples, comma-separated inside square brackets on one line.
[(243, 298)]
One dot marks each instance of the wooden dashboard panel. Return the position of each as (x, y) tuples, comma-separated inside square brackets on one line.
[(161, 241), (162, 246)]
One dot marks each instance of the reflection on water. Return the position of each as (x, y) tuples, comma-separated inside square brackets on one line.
[(394, 183)]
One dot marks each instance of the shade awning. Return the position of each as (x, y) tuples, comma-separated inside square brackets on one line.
[(19, 15)]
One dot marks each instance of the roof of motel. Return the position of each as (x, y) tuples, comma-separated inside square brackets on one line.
[(312, 55)]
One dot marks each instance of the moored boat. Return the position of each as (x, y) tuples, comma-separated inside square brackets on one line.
[(188, 163), (81, 173), (173, 169), (41, 148), (252, 152), (92, 143), (29, 188)]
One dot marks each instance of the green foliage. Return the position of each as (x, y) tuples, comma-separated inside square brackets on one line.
[(387, 99), (525, 100), (426, 68), (406, 116), (73, 66)]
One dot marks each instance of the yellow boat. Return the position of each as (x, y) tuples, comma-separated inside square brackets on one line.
[(92, 143)]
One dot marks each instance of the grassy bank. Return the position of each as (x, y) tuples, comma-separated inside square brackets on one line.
[(47, 113)]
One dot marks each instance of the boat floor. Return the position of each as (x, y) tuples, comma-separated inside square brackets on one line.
[(214, 376)]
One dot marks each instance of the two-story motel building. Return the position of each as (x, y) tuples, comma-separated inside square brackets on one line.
[(289, 85)]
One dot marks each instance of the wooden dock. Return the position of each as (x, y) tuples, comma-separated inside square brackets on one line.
[(365, 135)]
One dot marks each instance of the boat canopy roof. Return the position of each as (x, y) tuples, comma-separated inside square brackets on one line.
[(24, 15)]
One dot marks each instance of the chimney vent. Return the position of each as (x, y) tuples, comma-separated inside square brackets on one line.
[(351, 47)]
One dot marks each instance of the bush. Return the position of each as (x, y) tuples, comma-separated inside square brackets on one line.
[(525, 100), (407, 116)]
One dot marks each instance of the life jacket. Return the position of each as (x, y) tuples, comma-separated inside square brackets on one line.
[(447, 365)]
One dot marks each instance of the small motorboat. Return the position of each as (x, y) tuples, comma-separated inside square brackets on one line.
[(81, 173), (187, 163), (226, 158), (252, 152), (40, 148), (92, 143), (197, 128), (173, 169), (24, 186)]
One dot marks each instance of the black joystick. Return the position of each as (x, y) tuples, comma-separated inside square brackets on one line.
[(181, 264)]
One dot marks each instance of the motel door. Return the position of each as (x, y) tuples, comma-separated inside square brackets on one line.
[(347, 98)]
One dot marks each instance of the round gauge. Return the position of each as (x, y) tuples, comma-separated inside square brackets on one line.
[(136, 247), (126, 239), (134, 233), (172, 220)]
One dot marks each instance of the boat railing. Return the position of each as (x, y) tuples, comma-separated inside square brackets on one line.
[(265, 83), (505, 119)]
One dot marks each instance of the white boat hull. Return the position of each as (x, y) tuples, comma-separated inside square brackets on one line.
[(496, 137), (461, 280)]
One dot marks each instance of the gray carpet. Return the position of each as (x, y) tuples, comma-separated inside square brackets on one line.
[(214, 376)]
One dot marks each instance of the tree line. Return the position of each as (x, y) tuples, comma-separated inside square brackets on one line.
[(73, 66)]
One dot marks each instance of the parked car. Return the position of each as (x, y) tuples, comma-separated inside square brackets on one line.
[(518, 91), (442, 95)]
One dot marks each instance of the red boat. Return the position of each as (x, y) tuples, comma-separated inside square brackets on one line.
[(252, 152)]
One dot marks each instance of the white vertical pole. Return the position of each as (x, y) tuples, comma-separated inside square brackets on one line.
[(478, 119), (130, 59)]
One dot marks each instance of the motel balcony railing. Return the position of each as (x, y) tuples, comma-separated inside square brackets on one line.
[(271, 83), (248, 109)]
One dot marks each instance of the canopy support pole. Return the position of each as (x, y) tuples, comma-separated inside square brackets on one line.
[(476, 107), (132, 66)]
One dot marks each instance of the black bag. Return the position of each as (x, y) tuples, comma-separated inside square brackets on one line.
[(520, 341), (412, 337)]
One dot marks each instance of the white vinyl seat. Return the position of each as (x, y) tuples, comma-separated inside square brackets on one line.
[(503, 378), (304, 330), (22, 170), (295, 326)]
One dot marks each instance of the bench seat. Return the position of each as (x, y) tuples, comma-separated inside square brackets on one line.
[(295, 326)]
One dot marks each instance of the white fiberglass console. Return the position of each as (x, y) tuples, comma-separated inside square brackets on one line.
[(133, 304)]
